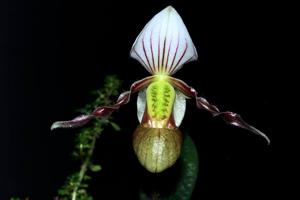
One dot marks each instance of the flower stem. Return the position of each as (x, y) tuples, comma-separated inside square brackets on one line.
[(76, 185), (84, 167)]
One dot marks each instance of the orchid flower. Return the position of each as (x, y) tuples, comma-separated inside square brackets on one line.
[(163, 47)]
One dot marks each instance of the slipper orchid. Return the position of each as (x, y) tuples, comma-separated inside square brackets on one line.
[(162, 47)]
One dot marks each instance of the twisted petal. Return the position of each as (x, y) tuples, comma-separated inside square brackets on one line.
[(229, 117), (76, 122), (164, 44), (104, 111)]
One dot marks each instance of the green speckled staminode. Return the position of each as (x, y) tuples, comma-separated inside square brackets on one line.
[(160, 99)]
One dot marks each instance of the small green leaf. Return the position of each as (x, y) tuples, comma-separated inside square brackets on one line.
[(84, 185), (95, 168), (115, 126), (86, 178)]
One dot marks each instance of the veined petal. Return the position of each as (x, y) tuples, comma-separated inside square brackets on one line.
[(164, 44)]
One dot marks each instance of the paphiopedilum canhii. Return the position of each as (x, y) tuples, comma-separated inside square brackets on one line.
[(162, 47)]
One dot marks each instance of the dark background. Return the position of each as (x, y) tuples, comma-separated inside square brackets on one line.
[(53, 53)]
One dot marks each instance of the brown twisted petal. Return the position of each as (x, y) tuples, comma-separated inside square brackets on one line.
[(229, 117), (104, 111), (157, 148)]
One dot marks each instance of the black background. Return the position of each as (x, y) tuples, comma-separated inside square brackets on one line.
[(53, 53)]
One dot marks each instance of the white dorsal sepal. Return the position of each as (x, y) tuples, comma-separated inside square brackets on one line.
[(164, 44)]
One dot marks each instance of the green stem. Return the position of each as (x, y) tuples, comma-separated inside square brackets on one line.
[(76, 185), (84, 167)]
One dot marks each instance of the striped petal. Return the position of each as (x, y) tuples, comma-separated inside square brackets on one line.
[(164, 44)]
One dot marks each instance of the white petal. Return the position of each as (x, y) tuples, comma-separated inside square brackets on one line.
[(179, 108), (141, 104), (164, 44)]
